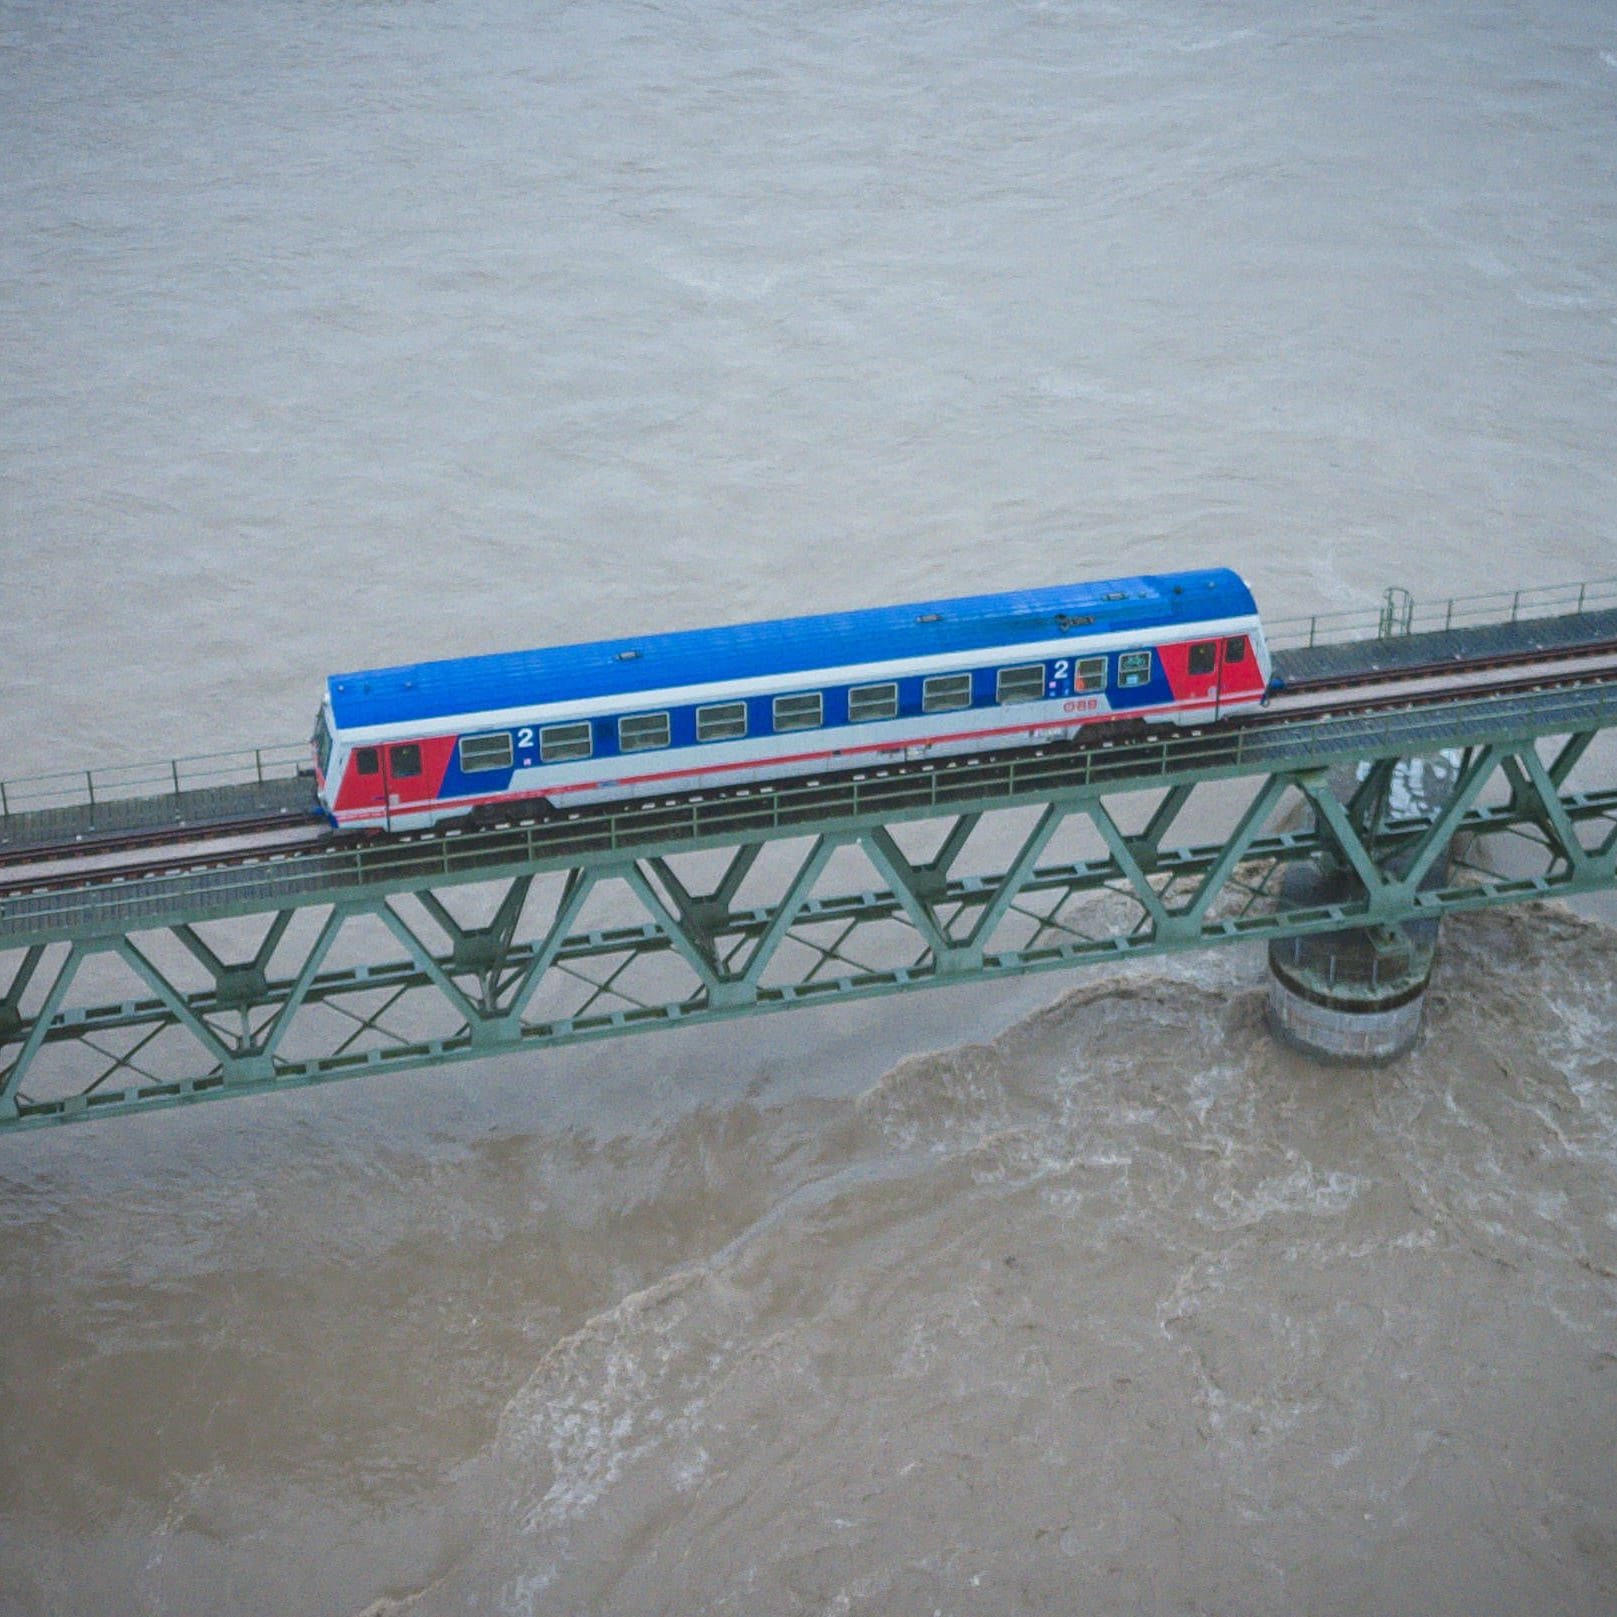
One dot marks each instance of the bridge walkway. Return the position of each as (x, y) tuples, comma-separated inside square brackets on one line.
[(251, 790), (158, 802), (217, 889), (1345, 661)]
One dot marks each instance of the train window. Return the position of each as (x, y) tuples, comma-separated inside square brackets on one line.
[(724, 721), (866, 702), (368, 761), (481, 753), (1134, 668), (1235, 650), (1024, 684), (1089, 674), (559, 742), (1204, 657), (942, 693), (643, 732), (798, 712), (404, 761)]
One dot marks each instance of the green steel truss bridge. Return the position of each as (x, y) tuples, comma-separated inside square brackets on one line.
[(213, 940)]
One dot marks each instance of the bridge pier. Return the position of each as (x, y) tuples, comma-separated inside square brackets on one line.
[(1358, 995)]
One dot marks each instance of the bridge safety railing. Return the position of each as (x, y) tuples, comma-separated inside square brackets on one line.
[(954, 786), (81, 788), (1400, 614)]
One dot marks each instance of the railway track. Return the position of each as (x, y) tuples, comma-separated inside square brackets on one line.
[(1436, 668), (88, 863), (112, 843)]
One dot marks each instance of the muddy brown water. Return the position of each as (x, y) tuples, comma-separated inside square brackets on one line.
[(343, 333)]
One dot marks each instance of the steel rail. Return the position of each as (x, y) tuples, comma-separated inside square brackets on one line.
[(208, 858), (404, 952), (245, 885), (1451, 666), (239, 1033), (97, 845), (114, 842)]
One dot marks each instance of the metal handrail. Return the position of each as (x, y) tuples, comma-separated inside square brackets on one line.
[(1400, 614), (629, 832), (77, 788)]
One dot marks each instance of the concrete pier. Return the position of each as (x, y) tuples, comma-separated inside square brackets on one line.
[(1358, 995)]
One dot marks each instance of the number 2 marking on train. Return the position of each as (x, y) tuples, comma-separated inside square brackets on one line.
[(1061, 671), (525, 737)]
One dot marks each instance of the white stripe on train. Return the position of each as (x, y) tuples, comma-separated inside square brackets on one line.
[(412, 816), (806, 680)]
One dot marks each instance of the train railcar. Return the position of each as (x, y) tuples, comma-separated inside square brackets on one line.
[(406, 747)]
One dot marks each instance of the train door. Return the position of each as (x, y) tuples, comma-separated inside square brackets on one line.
[(1239, 677), (1204, 675), (365, 789), (390, 787), (1236, 668), (401, 771), (1229, 654)]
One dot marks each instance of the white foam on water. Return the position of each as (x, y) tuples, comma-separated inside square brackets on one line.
[(513, 323)]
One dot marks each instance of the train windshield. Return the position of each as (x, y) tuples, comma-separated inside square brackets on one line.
[(322, 742)]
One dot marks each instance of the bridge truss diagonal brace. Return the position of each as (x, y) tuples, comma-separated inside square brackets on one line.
[(271, 1036), (1342, 826), (1138, 857), (950, 907), (223, 1055), (1186, 923), (506, 986), (970, 954), (702, 911), (693, 942), (522, 985), (917, 888), (1474, 775), (11, 1077), (243, 980), (1570, 755), (691, 932), (1148, 845), (1533, 795), (1371, 800), (428, 964), (1130, 865), (1393, 889), (483, 950), (11, 1001)]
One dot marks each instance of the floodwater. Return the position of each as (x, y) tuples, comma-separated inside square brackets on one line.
[(339, 333)]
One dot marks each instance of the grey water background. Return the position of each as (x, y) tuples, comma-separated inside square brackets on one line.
[(343, 333)]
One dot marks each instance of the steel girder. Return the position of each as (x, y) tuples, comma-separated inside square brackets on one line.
[(428, 960)]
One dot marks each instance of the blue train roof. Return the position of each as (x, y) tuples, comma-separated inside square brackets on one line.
[(656, 662)]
